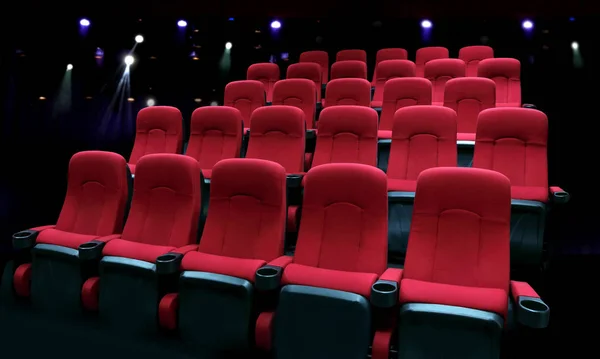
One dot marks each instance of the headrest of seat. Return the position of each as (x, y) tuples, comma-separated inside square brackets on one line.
[(164, 118), (391, 54), (360, 120), (445, 67), (480, 88), (251, 89), (287, 119), (471, 53), (499, 67), (307, 70), (438, 121), (107, 168), (265, 70), (417, 88), (222, 118), (348, 68), (179, 173), (299, 88), (396, 68), (527, 125), (426, 54), (345, 55)]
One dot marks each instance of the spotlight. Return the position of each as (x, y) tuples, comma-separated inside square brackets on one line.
[(129, 60), (182, 23), (139, 39), (228, 45), (275, 25), (150, 102), (42, 98), (426, 24), (214, 103), (69, 67), (231, 19), (575, 45), (527, 25), (84, 22), (130, 99)]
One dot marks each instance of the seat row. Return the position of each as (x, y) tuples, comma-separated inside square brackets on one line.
[(229, 287)]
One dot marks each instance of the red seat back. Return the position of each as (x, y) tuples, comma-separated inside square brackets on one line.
[(422, 137), (307, 70), (343, 228), (246, 96), (247, 210), (355, 92), (390, 69), (472, 55), (388, 54), (402, 92), (299, 93), (97, 193), (346, 134), (460, 230), (506, 73), (215, 134), (426, 54), (165, 207), (349, 69), (439, 72), (350, 55), (468, 96), (319, 57), (267, 73), (158, 129), (278, 134)]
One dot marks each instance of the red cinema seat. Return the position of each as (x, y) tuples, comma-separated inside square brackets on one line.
[(472, 55), (349, 69), (351, 55), (426, 54), (158, 129), (356, 92), (163, 219), (244, 234), (346, 134), (215, 134), (246, 96), (98, 189), (340, 255), (399, 93), (307, 70), (278, 135), (387, 70), (267, 73), (300, 93), (514, 142), (388, 54), (439, 72), (423, 137), (506, 73), (319, 57), (456, 274)]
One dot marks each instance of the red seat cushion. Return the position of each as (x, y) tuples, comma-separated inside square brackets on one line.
[(402, 185), (488, 299), (207, 173), (383, 134), (135, 250), (231, 266), (353, 282), (462, 136), (530, 193), (65, 239), (131, 168)]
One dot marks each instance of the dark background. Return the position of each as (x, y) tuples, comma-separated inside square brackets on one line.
[(39, 136)]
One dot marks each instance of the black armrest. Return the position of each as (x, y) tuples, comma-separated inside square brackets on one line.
[(168, 263), (384, 294), (24, 239), (319, 106), (91, 250), (529, 105), (268, 103), (372, 92), (561, 197), (533, 312), (310, 135), (294, 181), (268, 278)]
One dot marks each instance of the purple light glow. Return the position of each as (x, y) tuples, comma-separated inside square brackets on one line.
[(84, 22), (182, 23), (426, 24), (275, 25), (527, 25)]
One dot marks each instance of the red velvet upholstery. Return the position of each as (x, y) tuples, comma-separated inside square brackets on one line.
[(439, 72), (158, 129), (426, 54), (459, 243), (506, 73), (299, 93), (245, 226), (351, 55), (342, 242), (399, 93), (514, 142), (307, 70), (472, 55), (347, 92), (278, 134), (468, 96), (267, 73), (246, 96), (387, 70), (388, 54), (94, 206), (164, 209), (346, 134), (319, 57), (423, 137), (349, 69), (215, 134)]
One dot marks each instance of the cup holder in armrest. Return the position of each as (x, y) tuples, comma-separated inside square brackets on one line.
[(533, 312), (561, 197), (529, 105), (91, 250), (294, 181), (24, 239), (268, 278), (168, 263), (384, 294)]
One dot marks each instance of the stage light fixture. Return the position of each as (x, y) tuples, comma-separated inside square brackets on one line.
[(527, 25), (139, 39), (129, 60), (426, 24), (150, 102), (182, 23), (228, 45), (275, 25), (575, 45), (84, 22), (69, 67)]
